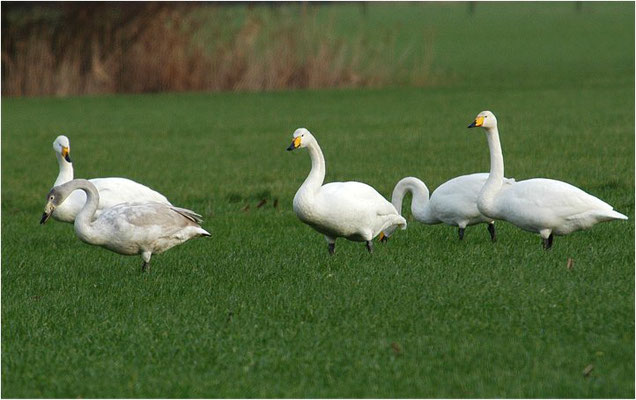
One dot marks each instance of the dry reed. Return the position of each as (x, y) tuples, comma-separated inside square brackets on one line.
[(89, 48)]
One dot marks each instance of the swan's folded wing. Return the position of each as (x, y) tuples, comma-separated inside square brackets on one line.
[(354, 190), (552, 196), (113, 191), (189, 214), (148, 214), (357, 194)]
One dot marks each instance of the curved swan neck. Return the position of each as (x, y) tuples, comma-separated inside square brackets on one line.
[(317, 174), (66, 170), (83, 220), (419, 202)]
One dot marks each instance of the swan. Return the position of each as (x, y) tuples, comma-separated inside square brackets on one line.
[(352, 210), (544, 206), (128, 228), (112, 191), (454, 202)]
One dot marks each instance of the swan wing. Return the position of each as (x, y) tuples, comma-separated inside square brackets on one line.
[(540, 203), (356, 195), (130, 228), (466, 187), (561, 197), (468, 184), (189, 214), (113, 191), (130, 216)]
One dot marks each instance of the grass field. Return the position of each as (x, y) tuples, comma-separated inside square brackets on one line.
[(260, 309)]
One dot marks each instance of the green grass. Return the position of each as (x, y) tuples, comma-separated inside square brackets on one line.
[(260, 310), (502, 44)]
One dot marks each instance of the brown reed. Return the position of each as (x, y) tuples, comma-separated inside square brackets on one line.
[(66, 49)]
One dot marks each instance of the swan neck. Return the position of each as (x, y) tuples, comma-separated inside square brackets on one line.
[(486, 201), (317, 174), (66, 170), (83, 220), (420, 197), (496, 157)]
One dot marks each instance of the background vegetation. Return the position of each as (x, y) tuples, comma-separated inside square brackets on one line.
[(71, 48), (260, 309)]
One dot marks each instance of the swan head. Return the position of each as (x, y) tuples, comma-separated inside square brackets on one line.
[(484, 119), (301, 138), (53, 199), (62, 146)]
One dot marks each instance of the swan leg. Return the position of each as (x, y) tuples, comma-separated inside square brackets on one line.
[(146, 265), (461, 233), (331, 245), (370, 246), (491, 230), (547, 243)]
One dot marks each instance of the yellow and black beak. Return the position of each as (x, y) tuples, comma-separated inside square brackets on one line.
[(294, 144), (45, 217), (383, 238), (48, 210), (479, 121), (66, 154)]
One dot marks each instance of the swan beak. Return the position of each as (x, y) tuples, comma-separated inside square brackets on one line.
[(66, 154), (479, 121), (383, 238), (48, 210), (294, 144), (45, 217)]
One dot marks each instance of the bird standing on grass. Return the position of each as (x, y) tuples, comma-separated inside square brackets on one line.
[(112, 191), (352, 210), (544, 206), (453, 202), (128, 228)]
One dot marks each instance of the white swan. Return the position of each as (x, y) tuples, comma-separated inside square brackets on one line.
[(453, 202), (544, 206), (144, 228), (112, 191), (352, 210)]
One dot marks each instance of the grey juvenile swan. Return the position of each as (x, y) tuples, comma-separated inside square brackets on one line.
[(127, 228)]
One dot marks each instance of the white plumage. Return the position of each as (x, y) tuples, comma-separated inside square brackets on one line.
[(544, 206), (351, 210), (129, 229), (112, 191), (454, 202)]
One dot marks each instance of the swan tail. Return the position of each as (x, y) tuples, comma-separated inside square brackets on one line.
[(203, 232), (587, 219), (189, 214), (612, 214), (604, 215)]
